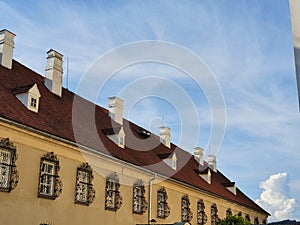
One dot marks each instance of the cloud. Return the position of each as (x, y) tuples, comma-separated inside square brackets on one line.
[(275, 197)]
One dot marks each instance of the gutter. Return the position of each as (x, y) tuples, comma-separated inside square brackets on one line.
[(150, 198)]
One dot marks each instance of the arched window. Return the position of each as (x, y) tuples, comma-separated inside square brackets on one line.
[(256, 221), (85, 192), (113, 199), (9, 175), (201, 216), (50, 185), (139, 200), (163, 210), (186, 213)]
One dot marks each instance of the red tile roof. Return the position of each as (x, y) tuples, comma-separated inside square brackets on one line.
[(55, 117)]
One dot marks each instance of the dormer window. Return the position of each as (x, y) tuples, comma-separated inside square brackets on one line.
[(116, 134), (33, 102), (230, 186), (205, 174), (170, 160), (29, 95)]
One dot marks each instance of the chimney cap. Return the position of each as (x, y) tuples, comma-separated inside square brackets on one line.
[(53, 52), (212, 162), (5, 30)]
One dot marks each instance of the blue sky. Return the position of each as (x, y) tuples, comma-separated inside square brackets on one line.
[(246, 44)]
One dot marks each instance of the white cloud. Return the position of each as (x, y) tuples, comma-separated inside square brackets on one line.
[(275, 197)]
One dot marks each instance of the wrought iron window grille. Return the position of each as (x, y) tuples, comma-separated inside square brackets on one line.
[(214, 215), (50, 185), (201, 215), (163, 209), (247, 217), (140, 204), (113, 199), (84, 191), (228, 212), (186, 213), (9, 175)]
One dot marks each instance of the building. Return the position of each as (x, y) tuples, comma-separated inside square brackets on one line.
[(120, 174)]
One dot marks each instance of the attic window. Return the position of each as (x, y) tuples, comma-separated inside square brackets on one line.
[(230, 186), (116, 134), (29, 95), (121, 141), (33, 102), (143, 133), (169, 159), (205, 174)]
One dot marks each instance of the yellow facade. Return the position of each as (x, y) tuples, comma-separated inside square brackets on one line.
[(22, 206)]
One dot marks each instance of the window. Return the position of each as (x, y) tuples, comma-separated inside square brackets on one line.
[(264, 221), (139, 201), (186, 214), (113, 199), (9, 175), (247, 217), (50, 185), (214, 215), (85, 192), (240, 214), (201, 216), (33, 102), (163, 210), (228, 212), (256, 221)]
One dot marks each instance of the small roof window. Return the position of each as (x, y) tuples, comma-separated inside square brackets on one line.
[(29, 95)]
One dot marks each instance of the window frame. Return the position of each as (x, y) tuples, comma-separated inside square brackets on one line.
[(162, 204), (90, 191), (12, 175), (139, 203), (228, 212), (214, 214), (56, 184), (186, 213), (112, 193), (247, 217), (201, 215), (33, 102)]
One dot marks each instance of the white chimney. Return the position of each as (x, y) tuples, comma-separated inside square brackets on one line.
[(115, 107), (165, 136), (6, 48), (198, 155), (54, 72), (212, 162)]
